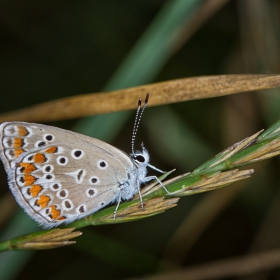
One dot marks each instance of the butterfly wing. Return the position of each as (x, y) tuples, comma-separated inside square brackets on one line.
[(58, 176)]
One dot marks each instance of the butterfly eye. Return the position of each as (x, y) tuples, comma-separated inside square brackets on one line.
[(139, 158)]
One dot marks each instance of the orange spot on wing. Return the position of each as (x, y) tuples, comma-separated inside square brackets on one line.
[(28, 167), (51, 150), (35, 190), (54, 212), (61, 218), (18, 142), (22, 131), (29, 180), (18, 152), (43, 201), (39, 158)]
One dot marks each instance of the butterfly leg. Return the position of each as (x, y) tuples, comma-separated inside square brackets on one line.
[(121, 190), (156, 178), (153, 167), (140, 196), (118, 204)]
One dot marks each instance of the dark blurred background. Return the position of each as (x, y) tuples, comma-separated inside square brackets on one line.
[(56, 49)]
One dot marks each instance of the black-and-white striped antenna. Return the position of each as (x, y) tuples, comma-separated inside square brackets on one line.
[(138, 117)]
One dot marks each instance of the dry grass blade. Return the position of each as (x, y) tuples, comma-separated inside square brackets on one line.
[(58, 235), (217, 180), (236, 148), (45, 245), (52, 239), (267, 151), (151, 206), (162, 93)]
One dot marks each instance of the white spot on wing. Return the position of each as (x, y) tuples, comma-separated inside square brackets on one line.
[(45, 213), (102, 164), (91, 192), (77, 153), (25, 193), (48, 137), (81, 209), (40, 144), (55, 187), (10, 130), (20, 181), (94, 180), (61, 160), (48, 168), (78, 175), (47, 177), (62, 194), (67, 204), (10, 154)]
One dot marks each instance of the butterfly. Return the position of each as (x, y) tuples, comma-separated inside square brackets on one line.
[(58, 176)]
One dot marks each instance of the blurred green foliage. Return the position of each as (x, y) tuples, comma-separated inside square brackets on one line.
[(54, 49)]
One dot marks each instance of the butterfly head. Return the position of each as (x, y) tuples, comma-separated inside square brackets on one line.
[(140, 159)]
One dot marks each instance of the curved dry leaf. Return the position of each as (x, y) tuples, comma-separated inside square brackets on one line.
[(161, 93)]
